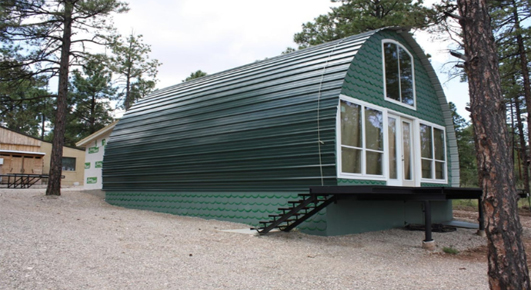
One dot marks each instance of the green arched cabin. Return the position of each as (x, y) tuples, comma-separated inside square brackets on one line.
[(237, 145)]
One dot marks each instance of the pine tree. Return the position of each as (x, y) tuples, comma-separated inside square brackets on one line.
[(507, 260), (357, 16), (48, 29), (136, 72)]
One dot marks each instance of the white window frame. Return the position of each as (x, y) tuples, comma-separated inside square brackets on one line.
[(416, 123), (433, 160), (414, 107), (363, 149)]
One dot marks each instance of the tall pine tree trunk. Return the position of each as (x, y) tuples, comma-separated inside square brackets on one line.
[(56, 164), (507, 260), (523, 60), (523, 145)]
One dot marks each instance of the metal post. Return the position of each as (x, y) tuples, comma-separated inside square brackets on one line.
[(427, 221)]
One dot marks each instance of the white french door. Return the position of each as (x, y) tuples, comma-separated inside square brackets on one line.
[(400, 148)]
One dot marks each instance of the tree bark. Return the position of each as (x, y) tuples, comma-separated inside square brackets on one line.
[(507, 267), (56, 163)]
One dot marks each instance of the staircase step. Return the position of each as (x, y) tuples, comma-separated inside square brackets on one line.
[(297, 212)]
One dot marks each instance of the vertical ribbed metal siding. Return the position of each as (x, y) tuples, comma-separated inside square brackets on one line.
[(253, 128)]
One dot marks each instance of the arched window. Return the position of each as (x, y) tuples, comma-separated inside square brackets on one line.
[(399, 74)]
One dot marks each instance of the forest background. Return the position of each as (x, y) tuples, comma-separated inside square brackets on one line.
[(111, 76)]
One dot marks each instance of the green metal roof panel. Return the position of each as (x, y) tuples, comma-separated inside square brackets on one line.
[(266, 126), (255, 127)]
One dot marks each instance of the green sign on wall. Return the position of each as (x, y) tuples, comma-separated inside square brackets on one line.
[(99, 164), (87, 165), (103, 142), (92, 180), (93, 150)]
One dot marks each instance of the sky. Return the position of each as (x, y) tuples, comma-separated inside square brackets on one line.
[(213, 36)]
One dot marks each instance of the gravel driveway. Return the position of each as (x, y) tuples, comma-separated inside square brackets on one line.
[(77, 241)]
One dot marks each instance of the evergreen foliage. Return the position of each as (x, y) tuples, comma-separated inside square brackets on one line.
[(135, 70), (51, 33), (195, 75), (357, 16)]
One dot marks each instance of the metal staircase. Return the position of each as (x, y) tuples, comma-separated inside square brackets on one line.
[(299, 211)]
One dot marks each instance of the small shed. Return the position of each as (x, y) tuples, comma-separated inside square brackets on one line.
[(19, 153), (94, 151), (24, 154), (240, 144)]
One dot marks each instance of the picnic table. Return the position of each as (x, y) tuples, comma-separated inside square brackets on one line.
[(22, 180)]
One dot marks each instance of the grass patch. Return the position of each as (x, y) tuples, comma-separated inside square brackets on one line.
[(472, 204), (465, 204), (450, 250)]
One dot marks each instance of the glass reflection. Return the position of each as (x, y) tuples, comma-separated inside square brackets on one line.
[(373, 129), (392, 71), (351, 131), (350, 160), (406, 78), (392, 148), (406, 140), (438, 140)]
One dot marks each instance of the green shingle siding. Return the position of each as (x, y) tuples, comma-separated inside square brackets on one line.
[(248, 208), (364, 81), (343, 181)]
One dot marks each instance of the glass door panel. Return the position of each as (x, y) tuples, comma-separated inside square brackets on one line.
[(393, 156), (401, 159)]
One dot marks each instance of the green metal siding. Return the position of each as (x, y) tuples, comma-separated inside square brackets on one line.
[(239, 144), (250, 128)]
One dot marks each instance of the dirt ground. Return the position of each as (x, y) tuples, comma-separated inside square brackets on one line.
[(480, 254)]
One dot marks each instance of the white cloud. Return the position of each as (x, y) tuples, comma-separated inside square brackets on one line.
[(213, 36)]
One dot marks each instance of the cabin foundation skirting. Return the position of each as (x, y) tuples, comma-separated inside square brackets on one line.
[(346, 216), (246, 208)]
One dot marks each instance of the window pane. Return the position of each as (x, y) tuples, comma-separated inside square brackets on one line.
[(350, 160), (406, 78), (406, 141), (69, 164), (426, 168), (392, 148), (438, 142), (439, 170), (392, 82), (350, 124), (374, 163), (425, 141), (373, 129)]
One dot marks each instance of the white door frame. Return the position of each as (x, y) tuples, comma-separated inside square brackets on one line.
[(400, 173)]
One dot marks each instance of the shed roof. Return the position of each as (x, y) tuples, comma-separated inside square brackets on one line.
[(107, 129), (22, 152)]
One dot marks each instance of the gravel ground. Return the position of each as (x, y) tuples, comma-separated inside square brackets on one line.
[(77, 241)]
